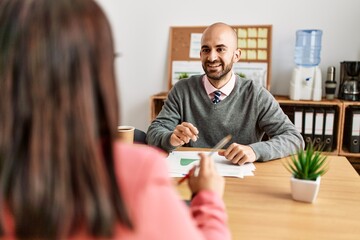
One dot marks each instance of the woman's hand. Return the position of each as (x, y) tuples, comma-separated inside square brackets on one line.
[(206, 177)]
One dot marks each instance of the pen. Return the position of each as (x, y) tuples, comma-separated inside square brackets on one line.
[(217, 147)]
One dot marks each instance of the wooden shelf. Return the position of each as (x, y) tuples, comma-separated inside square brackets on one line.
[(344, 149), (287, 100), (157, 101), (336, 103)]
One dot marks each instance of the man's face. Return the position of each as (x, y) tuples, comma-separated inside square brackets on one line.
[(217, 53)]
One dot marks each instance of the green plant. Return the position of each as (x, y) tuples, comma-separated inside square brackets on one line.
[(183, 75), (307, 164), (242, 75)]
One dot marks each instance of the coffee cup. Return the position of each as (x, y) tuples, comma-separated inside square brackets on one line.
[(126, 134)]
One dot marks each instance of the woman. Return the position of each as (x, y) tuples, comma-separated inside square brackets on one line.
[(62, 174)]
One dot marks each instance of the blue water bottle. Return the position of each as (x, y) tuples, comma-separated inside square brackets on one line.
[(308, 47), (306, 82)]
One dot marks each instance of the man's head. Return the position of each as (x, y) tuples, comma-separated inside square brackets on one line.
[(219, 51)]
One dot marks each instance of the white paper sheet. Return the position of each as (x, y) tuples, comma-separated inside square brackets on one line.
[(254, 71), (189, 67), (195, 45), (180, 162)]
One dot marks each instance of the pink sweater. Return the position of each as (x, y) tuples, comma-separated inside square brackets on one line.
[(154, 206)]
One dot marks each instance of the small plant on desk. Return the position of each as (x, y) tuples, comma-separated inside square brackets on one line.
[(306, 167)]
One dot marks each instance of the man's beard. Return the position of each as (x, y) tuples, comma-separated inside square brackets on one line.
[(217, 75)]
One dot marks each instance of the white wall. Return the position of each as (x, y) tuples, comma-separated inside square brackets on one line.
[(141, 31)]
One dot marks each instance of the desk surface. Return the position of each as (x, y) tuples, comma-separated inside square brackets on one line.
[(261, 207)]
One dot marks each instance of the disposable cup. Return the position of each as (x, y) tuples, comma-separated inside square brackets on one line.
[(126, 134)]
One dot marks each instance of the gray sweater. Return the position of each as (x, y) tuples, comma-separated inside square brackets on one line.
[(247, 114)]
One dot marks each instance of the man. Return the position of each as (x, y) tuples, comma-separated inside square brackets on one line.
[(202, 109)]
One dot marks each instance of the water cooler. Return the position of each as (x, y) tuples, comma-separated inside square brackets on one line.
[(306, 81)]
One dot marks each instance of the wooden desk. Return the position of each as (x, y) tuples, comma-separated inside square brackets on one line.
[(261, 207)]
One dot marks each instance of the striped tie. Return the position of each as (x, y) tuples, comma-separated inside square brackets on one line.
[(216, 98)]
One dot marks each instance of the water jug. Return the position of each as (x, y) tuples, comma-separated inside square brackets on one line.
[(307, 47)]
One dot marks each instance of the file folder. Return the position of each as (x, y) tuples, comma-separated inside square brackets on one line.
[(308, 125), (318, 126), (298, 120), (329, 121), (289, 111), (354, 145)]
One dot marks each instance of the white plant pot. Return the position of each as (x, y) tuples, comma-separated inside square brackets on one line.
[(305, 190)]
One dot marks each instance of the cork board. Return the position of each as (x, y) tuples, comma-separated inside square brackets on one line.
[(253, 40)]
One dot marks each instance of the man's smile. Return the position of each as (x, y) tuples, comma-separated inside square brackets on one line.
[(213, 66)]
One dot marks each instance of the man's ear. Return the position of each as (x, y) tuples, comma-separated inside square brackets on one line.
[(237, 54)]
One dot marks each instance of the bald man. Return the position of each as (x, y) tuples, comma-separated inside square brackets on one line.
[(202, 109)]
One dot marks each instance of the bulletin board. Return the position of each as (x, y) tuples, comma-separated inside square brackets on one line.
[(253, 40)]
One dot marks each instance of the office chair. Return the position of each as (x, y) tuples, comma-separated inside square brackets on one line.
[(139, 136)]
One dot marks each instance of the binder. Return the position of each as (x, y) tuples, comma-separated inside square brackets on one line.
[(329, 121), (318, 126), (298, 120), (354, 145), (289, 111), (308, 125)]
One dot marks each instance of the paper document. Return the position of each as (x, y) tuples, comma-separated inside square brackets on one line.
[(189, 67), (180, 162), (195, 45), (254, 71)]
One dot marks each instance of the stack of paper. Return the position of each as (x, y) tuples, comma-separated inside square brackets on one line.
[(180, 162)]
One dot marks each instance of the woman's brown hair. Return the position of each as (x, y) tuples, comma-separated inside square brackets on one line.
[(58, 118)]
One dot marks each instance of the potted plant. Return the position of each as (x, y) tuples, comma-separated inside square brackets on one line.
[(306, 166), (183, 75), (242, 75)]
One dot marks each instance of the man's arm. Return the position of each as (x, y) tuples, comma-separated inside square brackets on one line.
[(161, 129), (284, 139)]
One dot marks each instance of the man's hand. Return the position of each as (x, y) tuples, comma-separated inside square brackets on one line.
[(183, 133), (239, 154)]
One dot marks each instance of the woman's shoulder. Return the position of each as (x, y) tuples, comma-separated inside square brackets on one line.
[(139, 167), (138, 159), (140, 152)]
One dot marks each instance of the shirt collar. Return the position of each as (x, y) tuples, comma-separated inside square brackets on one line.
[(226, 89)]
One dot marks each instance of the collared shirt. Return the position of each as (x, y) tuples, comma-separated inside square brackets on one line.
[(225, 90)]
